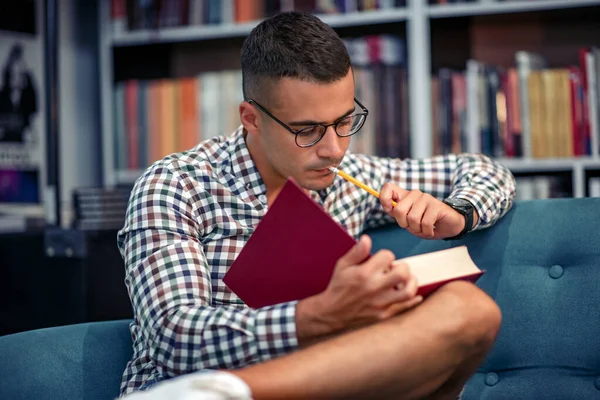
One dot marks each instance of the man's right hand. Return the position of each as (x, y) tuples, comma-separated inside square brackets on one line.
[(362, 290)]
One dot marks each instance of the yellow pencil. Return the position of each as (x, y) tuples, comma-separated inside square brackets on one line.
[(357, 183)]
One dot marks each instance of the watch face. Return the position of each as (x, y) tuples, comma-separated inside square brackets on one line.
[(458, 203)]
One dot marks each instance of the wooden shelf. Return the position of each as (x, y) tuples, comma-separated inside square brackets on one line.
[(224, 31), (483, 8)]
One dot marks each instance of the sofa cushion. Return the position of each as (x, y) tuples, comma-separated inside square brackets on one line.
[(84, 361), (542, 265)]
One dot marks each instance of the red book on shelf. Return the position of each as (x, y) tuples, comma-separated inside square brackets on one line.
[(293, 251)]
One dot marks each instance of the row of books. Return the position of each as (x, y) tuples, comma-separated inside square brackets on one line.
[(128, 15), (528, 110), (155, 118), (549, 186), (381, 84), (97, 209), (433, 2), (542, 187)]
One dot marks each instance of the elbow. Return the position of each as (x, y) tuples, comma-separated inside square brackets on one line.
[(189, 339), (168, 348), (495, 184)]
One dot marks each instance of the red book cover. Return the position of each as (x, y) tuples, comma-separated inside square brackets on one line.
[(585, 131), (291, 254), (293, 251), (576, 94)]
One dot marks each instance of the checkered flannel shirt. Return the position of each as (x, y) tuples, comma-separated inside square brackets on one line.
[(191, 213)]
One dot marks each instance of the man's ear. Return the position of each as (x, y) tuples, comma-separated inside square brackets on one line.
[(249, 117)]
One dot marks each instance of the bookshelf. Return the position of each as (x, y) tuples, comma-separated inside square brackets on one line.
[(484, 7), (229, 30), (417, 21)]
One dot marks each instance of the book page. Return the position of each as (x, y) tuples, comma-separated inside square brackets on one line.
[(441, 265)]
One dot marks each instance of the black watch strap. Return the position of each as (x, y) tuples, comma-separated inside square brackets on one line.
[(466, 209)]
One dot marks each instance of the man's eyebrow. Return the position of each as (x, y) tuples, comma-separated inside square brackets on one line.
[(310, 122)]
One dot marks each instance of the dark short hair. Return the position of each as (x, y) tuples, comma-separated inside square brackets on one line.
[(295, 45)]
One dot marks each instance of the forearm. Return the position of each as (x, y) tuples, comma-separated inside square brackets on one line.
[(488, 185), (311, 327), (191, 338)]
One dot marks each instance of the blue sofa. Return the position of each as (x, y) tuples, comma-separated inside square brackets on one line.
[(543, 269)]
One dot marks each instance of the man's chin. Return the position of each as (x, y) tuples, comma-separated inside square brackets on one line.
[(317, 182)]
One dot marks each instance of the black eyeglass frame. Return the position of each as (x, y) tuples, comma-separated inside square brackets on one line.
[(364, 113)]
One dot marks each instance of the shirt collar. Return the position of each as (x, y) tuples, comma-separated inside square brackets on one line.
[(242, 165)]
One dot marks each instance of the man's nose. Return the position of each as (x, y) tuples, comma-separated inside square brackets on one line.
[(331, 145)]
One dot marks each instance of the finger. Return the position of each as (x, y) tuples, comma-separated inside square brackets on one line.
[(397, 276), (378, 266), (403, 208), (397, 195), (428, 221), (415, 215), (420, 235), (409, 290), (389, 295), (386, 196), (397, 308), (357, 254)]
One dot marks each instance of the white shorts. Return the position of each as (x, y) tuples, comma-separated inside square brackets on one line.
[(201, 385)]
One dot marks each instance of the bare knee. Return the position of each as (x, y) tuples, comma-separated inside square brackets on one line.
[(473, 317)]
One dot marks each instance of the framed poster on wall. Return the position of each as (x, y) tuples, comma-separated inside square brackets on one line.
[(22, 109)]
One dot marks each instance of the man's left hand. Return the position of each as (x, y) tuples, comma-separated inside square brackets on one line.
[(422, 214)]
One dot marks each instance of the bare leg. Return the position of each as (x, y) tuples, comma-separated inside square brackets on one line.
[(428, 351), (454, 385)]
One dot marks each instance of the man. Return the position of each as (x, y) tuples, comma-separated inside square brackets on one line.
[(366, 335)]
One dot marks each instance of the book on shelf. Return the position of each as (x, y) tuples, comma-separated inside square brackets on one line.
[(160, 14), (442, 2), (380, 72), (154, 118), (594, 187), (542, 187), (99, 208), (294, 249), (526, 110)]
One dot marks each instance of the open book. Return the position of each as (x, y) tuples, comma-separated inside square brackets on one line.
[(294, 248), (432, 270)]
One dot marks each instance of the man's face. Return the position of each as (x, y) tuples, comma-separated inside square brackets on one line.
[(300, 104)]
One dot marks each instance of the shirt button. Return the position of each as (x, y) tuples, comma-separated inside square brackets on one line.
[(262, 198)]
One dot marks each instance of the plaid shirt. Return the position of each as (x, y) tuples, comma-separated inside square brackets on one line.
[(191, 213)]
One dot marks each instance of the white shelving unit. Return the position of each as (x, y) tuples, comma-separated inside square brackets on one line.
[(417, 16), (195, 33), (486, 7)]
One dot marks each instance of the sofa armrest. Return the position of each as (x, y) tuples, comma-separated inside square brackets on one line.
[(83, 361)]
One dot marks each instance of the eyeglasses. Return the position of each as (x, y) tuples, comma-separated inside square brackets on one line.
[(311, 135)]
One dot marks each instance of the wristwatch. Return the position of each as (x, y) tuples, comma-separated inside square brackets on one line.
[(466, 209)]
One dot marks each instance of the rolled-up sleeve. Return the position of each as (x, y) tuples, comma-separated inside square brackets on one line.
[(170, 287)]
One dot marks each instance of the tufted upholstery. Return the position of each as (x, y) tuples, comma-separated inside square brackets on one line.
[(542, 265)]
